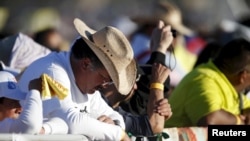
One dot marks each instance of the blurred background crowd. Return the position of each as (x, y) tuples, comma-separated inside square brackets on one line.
[(197, 22), (29, 16), (35, 28)]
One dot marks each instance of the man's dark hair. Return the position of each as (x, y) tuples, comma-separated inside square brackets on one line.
[(80, 50), (234, 56), (42, 37), (210, 51), (1, 99)]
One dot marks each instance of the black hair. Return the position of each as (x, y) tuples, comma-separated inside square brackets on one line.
[(234, 56), (80, 50), (41, 37), (210, 51), (1, 99)]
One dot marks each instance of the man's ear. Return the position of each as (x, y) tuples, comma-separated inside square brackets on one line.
[(85, 63), (18, 110), (243, 76)]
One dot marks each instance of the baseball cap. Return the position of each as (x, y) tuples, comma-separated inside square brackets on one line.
[(9, 87)]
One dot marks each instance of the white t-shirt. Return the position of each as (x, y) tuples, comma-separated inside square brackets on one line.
[(78, 110), (30, 120)]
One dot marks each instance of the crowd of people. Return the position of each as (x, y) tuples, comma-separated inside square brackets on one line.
[(108, 86), (73, 82)]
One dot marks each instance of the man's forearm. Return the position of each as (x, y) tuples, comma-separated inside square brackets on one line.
[(81, 123), (155, 119)]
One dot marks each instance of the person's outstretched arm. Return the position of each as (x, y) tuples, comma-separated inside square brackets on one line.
[(158, 108)]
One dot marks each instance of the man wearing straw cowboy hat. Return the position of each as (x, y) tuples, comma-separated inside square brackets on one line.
[(96, 59)]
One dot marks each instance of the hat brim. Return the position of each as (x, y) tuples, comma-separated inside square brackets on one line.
[(180, 28), (122, 79), (17, 95), (183, 29), (14, 93)]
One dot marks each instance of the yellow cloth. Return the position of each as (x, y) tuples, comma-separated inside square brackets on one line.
[(52, 88)]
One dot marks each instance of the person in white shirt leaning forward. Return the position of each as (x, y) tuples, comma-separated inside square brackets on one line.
[(15, 116)]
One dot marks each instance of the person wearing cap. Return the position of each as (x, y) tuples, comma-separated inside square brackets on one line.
[(213, 92), (14, 117), (96, 59), (22, 112), (157, 109)]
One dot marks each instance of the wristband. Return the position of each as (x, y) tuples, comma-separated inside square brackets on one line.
[(238, 120), (157, 86)]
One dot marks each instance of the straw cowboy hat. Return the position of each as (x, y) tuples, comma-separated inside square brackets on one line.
[(165, 11), (114, 51)]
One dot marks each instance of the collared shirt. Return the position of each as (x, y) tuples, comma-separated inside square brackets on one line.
[(204, 90)]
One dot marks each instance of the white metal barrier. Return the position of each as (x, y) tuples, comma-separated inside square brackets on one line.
[(26, 137)]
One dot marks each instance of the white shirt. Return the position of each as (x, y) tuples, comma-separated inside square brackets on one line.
[(30, 119), (57, 66), (23, 52)]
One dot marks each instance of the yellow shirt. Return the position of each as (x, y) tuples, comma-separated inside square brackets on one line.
[(204, 90)]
